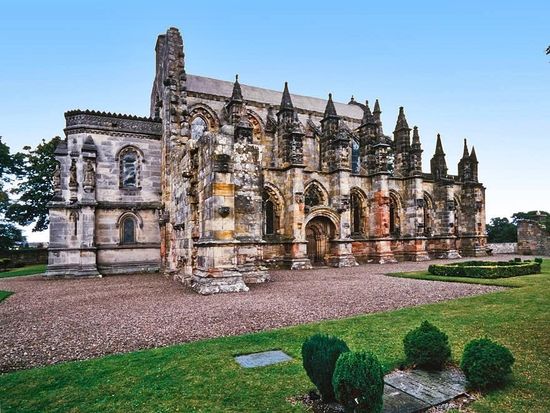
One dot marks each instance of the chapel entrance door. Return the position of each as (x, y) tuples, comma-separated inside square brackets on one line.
[(319, 232)]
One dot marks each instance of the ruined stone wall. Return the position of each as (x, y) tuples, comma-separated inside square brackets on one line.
[(533, 238)]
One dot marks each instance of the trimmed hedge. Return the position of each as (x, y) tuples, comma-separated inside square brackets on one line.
[(427, 347), (4, 262), (358, 382), (319, 354), (486, 269), (486, 363)]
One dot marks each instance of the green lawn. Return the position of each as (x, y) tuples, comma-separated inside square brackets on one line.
[(202, 376), (28, 270), (3, 296)]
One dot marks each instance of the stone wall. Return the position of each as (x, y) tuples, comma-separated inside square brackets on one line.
[(503, 248), (533, 239)]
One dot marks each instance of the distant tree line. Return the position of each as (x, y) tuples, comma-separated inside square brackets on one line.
[(504, 230), (25, 190)]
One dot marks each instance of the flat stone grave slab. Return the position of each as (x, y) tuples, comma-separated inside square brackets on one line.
[(396, 401), (429, 388), (264, 358)]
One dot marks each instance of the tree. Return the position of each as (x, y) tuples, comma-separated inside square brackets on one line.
[(35, 188), (501, 230), (542, 217), (10, 235)]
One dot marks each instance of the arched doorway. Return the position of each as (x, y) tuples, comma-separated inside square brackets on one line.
[(319, 231)]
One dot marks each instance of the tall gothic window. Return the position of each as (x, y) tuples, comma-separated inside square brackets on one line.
[(428, 210), (355, 162), (129, 160), (271, 217), (198, 127), (128, 231), (395, 223), (356, 215)]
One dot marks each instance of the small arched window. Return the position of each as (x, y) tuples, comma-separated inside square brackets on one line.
[(128, 231), (198, 127)]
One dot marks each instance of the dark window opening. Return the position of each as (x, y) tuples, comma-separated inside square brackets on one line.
[(128, 231)]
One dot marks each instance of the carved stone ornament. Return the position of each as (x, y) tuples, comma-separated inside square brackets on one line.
[(299, 197), (73, 183)]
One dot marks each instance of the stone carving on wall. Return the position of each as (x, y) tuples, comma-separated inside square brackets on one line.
[(89, 176), (73, 183), (56, 178)]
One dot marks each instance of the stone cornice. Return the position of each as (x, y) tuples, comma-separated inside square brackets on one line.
[(79, 121)]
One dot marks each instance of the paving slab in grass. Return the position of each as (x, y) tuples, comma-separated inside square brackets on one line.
[(429, 388), (264, 358), (396, 401)]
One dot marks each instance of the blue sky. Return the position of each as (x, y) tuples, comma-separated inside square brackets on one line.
[(465, 69)]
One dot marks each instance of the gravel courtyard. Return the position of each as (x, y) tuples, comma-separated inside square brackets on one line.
[(49, 321)]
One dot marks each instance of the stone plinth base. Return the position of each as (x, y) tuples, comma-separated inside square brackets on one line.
[(339, 261), (475, 252), (72, 272), (298, 263), (225, 281), (256, 276), (448, 255), (383, 258), (417, 256)]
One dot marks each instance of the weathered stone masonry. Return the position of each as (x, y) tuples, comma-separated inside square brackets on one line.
[(226, 180)]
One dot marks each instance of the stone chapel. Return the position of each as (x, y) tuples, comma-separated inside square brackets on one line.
[(224, 181)]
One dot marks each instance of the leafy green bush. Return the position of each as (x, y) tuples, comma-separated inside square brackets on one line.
[(427, 347), (486, 269), (4, 263), (486, 363), (319, 355), (538, 260), (358, 382)]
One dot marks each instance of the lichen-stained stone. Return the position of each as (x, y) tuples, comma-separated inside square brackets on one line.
[(224, 181)]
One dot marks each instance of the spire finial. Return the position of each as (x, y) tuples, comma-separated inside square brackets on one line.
[(330, 110), (473, 156), (286, 101), (439, 146), (377, 107), (465, 153), (237, 94), (416, 136), (367, 115), (401, 120)]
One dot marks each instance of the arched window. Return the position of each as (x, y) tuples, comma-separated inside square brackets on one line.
[(313, 196), (357, 220), (129, 164), (395, 223), (128, 231), (198, 127), (272, 211), (355, 161)]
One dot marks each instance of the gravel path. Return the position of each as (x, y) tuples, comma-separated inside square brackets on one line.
[(49, 321)]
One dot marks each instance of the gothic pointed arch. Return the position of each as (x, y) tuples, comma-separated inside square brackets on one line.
[(428, 214), (258, 125), (315, 195), (396, 214), (202, 119), (359, 213), (273, 210)]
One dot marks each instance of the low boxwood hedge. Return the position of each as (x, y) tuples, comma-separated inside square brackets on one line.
[(486, 269)]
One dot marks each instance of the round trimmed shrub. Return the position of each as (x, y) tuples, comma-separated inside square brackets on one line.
[(486, 363), (427, 347), (319, 355), (358, 382)]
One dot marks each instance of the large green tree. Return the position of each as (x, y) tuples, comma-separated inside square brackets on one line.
[(501, 230), (542, 217), (10, 235), (34, 190)]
